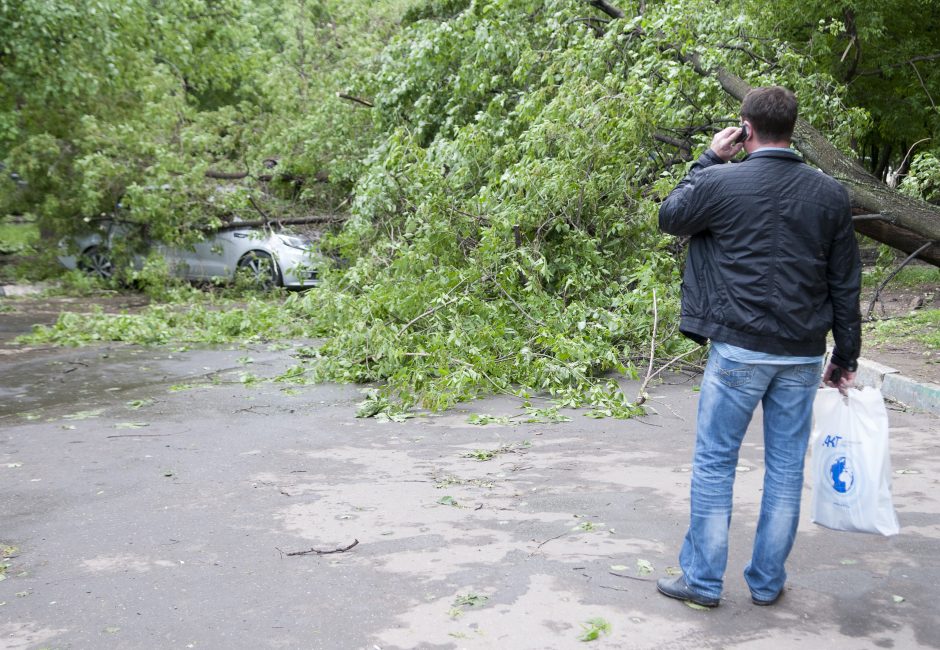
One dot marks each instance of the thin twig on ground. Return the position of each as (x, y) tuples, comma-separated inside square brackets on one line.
[(249, 409), (551, 539), (316, 551), (623, 575)]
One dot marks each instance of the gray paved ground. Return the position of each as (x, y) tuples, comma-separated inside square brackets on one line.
[(176, 534)]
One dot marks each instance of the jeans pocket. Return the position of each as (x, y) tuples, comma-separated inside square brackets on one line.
[(734, 377), (809, 374)]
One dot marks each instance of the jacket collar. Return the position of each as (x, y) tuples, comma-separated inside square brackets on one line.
[(788, 154)]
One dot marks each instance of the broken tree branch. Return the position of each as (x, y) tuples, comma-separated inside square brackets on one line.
[(318, 177), (872, 217), (607, 8), (519, 307), (682, 145), (884, 283), (264, 215), (641, 396), (357, 100), (903, 64), (596, 24), (427, 313), (225, 176), (283, 222), (923, 85)]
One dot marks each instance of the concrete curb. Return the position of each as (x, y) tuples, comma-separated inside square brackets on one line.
[(19, 290), (920, 396)]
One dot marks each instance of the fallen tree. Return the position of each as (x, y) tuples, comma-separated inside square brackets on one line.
[(882, 213), (887, 216)]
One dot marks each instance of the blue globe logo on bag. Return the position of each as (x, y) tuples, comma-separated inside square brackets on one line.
[(841, 474)]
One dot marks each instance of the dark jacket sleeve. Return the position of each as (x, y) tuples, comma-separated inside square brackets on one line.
[(844, 275), (684, 210)]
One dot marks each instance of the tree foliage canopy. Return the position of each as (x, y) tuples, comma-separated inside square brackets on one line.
[(500, 161)]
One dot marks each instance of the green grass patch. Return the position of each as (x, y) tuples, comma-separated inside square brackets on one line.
[(17, 237), (920, 326), (909, 276)]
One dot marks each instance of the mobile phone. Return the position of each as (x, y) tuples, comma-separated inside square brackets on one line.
[(745, 132)]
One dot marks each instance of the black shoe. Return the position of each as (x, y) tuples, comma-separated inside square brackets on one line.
[(678, 589), (766, 603)]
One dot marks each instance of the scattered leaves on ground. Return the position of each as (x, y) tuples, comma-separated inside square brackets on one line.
[(489, 454), (696, 606), (471, 600), (644, 567), (593, 628), (482, 419)]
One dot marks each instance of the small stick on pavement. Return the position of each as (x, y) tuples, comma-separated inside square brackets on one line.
[(550, 539), (621, 575), (314, 551), (249, 409)]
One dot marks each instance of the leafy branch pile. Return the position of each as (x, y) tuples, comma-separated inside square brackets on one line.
[(500, 162), (504, 232), (207, 321)]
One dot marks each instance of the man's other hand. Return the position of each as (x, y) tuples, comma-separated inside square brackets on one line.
[(723, 143), (838, 377)]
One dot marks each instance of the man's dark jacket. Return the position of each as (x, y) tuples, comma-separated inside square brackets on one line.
[(773, 263)]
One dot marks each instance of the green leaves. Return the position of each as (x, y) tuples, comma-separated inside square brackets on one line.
[(593, 628), (502, 189), (470, 600), (202, 320)]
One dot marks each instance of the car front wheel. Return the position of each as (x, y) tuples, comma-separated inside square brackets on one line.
[(258, 269), (97, 262)]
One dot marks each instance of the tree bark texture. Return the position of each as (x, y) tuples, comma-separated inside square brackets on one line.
[(261, 223)]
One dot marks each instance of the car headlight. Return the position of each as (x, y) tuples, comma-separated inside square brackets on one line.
[(294, 242)]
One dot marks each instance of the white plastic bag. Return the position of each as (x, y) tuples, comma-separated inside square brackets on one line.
[(851, 462)]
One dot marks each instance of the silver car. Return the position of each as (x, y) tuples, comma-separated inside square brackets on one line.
[(267, 258)]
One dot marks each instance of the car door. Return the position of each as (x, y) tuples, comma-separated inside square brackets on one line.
[(203, 260)]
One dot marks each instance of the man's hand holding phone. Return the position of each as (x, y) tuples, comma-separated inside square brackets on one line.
[(728, 142)]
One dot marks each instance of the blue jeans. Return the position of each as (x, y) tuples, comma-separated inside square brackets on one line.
[(730, 392)]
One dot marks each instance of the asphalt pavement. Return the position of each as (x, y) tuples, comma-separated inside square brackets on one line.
[(165, 498)]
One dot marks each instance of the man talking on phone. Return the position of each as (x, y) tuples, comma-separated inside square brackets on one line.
[(772, 267)]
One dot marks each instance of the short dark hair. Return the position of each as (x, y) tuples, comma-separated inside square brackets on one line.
[(771, 110)]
